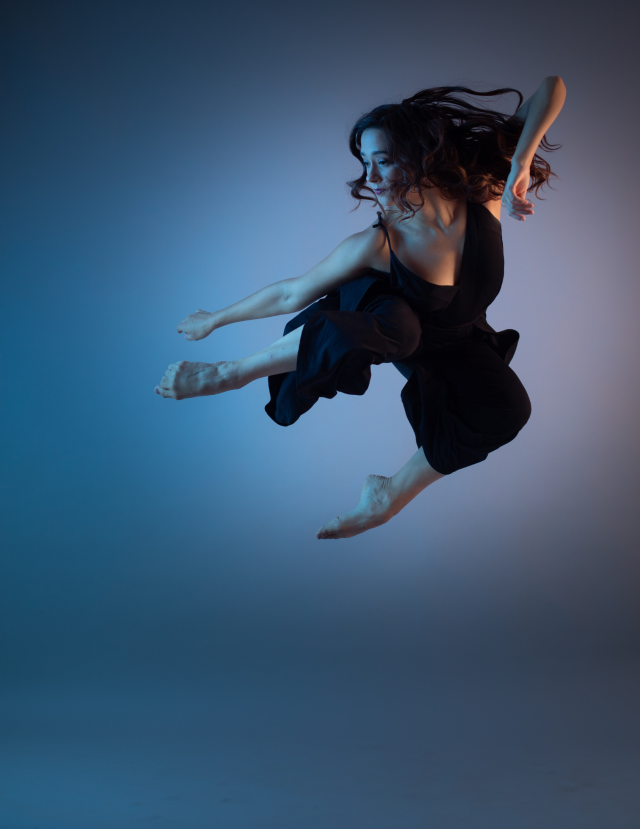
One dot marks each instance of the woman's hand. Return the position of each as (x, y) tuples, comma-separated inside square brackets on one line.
[(197, 326), (514, 197)]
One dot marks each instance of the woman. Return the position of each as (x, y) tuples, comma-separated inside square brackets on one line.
[(411, 289)]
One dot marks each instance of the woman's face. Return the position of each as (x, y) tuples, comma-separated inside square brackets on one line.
[(380, 172)]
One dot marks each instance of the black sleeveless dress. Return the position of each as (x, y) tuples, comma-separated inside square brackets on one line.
[(461, 398)]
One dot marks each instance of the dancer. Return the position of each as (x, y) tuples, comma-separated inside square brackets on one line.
[(412, 289)]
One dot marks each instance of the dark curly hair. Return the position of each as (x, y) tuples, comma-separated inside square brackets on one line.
[(437, 139)]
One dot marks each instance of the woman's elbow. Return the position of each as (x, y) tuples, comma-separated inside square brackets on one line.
[(555, 81), (291, 297)]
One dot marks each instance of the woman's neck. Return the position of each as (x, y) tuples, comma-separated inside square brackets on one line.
[(435, 211)]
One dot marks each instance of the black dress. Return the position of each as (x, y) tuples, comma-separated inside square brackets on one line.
[(461, 398)]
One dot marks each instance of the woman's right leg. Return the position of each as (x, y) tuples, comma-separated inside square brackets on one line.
[(382, 498), (277, 358), (187, 379)]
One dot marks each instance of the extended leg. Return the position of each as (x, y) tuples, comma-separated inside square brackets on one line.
[(186, 379), (382, 498)]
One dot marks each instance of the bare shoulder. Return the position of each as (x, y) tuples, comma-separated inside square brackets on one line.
[(365, 239), (370, 243), (352, 258), (493, 207), (359, 251)]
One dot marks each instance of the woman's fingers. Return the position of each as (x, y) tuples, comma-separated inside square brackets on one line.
[(196, 326), (518, 212), (515, 199), (518, 207)]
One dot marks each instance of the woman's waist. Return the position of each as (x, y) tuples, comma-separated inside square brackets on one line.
[(435, 338), (439, 332), (432, 312)]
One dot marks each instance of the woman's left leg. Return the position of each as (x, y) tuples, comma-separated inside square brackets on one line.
[(472, 405), (382, 498), (187, 379)]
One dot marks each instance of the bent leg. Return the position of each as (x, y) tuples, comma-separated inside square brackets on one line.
[(382, 498), (336, 351), (467, 403), (338, 348), (187, 379), (277, 358)]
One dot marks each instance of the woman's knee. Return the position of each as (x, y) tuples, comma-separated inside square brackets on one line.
[(516, 404), (410, 339), (497, 400)]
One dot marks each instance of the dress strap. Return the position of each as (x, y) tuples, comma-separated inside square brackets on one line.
[(380, 223)]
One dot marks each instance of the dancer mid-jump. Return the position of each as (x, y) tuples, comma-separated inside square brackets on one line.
[(411, 289)]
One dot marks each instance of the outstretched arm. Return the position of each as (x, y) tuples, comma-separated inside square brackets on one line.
[(347, 261), (538, 113), (267, 302)]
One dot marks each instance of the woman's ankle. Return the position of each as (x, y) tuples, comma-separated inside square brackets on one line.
[(239, 373), (219, 377)]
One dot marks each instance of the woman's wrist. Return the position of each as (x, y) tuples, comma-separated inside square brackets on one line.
[(521, 162), (216, 320)]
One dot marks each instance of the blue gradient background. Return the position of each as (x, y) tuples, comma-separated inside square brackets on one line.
[(176, 643)]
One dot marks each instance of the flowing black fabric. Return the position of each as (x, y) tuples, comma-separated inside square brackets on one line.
[(461, 398)]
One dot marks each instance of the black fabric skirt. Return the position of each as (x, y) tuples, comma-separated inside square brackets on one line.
[(461, 398)]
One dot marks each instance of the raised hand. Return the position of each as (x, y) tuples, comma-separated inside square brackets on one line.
[(514, 197), (197, 326)]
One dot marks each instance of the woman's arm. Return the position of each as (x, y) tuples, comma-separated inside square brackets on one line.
[(538, 113), (347, 261), (266, 302)]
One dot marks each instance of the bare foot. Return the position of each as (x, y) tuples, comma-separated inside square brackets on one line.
[(185, 379), (374, 509)]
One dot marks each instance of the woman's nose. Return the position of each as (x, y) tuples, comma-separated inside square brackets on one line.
[(373, 174)]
